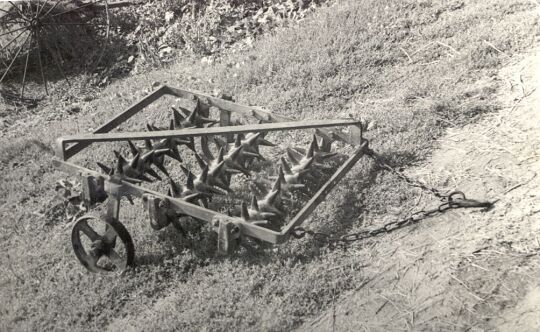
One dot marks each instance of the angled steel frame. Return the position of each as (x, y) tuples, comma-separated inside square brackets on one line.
[(228, 228)]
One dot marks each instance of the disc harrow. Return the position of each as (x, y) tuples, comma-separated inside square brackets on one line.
[(204, 164)]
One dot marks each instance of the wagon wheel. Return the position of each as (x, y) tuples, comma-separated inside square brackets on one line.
[(95, 245), (42, 40)]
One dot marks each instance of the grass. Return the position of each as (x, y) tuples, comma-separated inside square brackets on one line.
[(409, 68)]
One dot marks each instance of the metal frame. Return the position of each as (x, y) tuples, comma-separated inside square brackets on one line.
[(228, 228)]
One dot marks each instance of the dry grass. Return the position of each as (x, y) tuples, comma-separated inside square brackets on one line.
[(410, 68)]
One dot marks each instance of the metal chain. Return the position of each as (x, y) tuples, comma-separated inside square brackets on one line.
[(453, 200), (389, 227), (414, 183)]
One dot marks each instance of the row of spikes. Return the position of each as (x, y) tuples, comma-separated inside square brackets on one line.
[(289, 179), (216, 174), (135, 170), (185, 119), (231, 159), (249, 143)]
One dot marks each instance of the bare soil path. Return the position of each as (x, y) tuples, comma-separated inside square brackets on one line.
[(467, 270)]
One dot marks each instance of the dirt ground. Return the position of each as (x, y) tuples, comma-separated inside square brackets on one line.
[(466, 270)]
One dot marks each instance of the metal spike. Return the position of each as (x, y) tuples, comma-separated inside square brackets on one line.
[(105, 169), (238, 141), (253, 155), (190, 181), (268, 203), (315, 143), (303, 165), (148, 144), (232, 161), (217, 178), (311, 149), (254, 204), (192, 197), (185, 170), (220, 183), (174, 154), (191, 117), (280, 178), (200, 161), (119, 163), (276, 187), (177, 117), (234, 153), (244, 214), (217, 169), (286, 166), (131, 180), (153, 173), (162, 169), (204, 175), (252, 139), (119, 157), (294, 156), (174, 187), (144, 178), (160, 152), (273, 195), (147, 156), (134, 150), (221, 155), (191, 144), (262, 141), (206, 149)]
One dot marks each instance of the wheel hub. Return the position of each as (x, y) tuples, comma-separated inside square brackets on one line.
[(99, 248)]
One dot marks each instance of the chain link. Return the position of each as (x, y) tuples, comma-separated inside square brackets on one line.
[(414, 183), (454, 200)]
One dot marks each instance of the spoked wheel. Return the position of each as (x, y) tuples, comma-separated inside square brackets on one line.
[(97, 248), (44, 40)]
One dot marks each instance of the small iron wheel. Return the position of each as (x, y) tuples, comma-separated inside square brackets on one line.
[(95, 245)]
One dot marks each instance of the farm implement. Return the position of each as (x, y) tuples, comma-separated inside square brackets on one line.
[(213, 159)]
